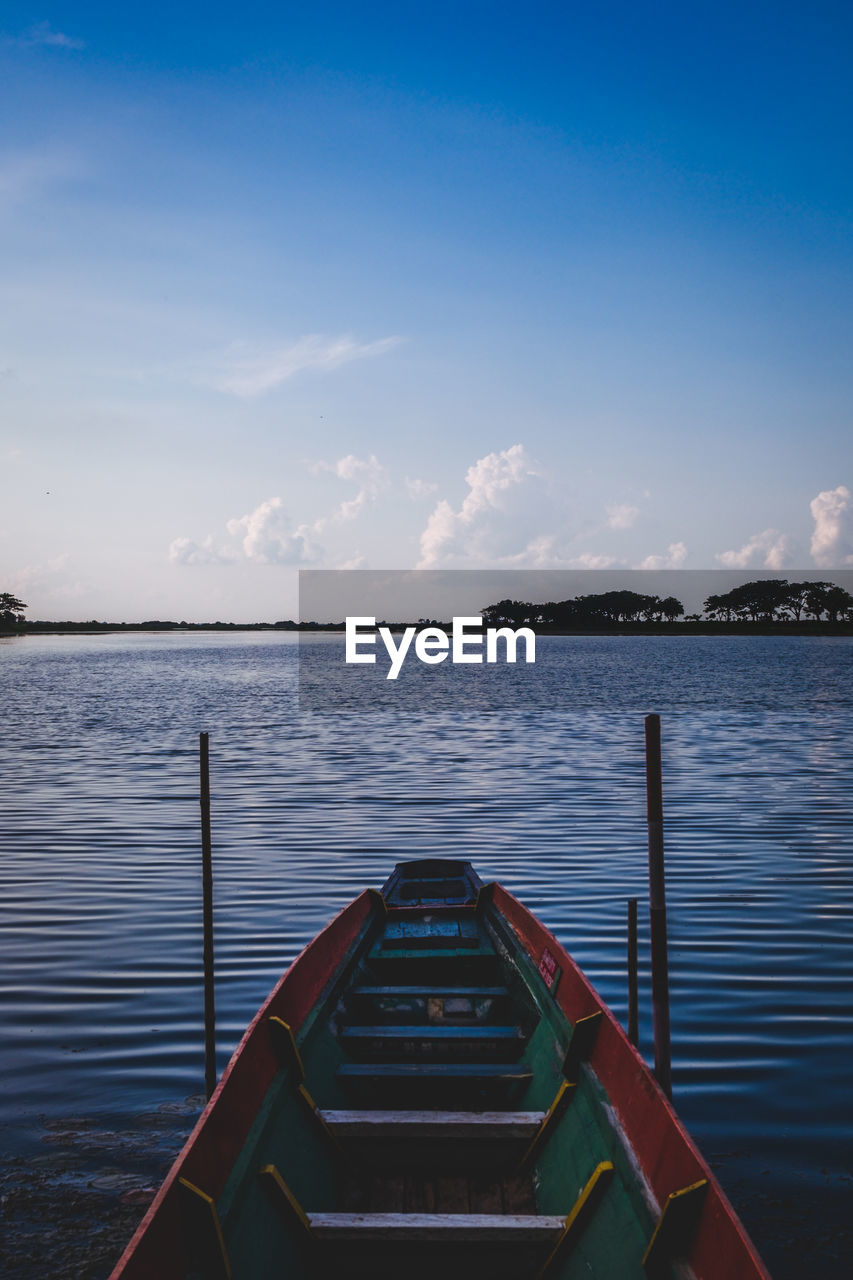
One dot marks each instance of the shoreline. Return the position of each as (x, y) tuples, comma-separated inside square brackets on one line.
[(619, 629)]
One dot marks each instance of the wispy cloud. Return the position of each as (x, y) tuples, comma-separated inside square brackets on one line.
[(832, 540), (769, 549), (52, 580), (419, 488), (44, 34), (589, 560), (621, 515), (27, 173), (249, 373), (368, 473)]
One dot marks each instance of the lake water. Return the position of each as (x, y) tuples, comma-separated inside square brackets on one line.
[(100, 946)]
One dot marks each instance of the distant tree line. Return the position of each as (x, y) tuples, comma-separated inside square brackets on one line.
[(764, 601), (776, 600), (608, 609)]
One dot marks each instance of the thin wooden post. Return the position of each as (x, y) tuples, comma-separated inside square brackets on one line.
[(633, 994), (657, 907), (207, 914)]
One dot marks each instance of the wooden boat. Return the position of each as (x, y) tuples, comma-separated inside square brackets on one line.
[(434, 1087)]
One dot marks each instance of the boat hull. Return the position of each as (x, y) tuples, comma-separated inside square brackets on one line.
[(434, 1084)]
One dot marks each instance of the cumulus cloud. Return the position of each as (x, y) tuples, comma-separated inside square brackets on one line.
[(673, 558), (621, 515), (500, 519), (267, 538), (769, 549), (832, 540), (251, 373), (186, 551), (264, 536), (419, 488), (589, 560), (368, 473)]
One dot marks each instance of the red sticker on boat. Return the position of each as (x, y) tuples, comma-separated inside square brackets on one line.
[(549, 970)]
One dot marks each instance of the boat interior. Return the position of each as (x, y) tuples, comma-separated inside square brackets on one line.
[(435, 1115)]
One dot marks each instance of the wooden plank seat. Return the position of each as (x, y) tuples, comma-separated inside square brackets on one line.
[(421, 1246), (436, 1003), (461, 1142), (452, 1228), (436, 1070), (432, 935), (454, 966), (434, 1040), (462, 1085), (458, 1126), (438, 990), (445, 1142)]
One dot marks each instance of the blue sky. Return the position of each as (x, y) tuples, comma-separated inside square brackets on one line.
[(458, 285)]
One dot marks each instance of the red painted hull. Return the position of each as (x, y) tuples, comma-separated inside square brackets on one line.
[(158, 1250), (666, 1155)]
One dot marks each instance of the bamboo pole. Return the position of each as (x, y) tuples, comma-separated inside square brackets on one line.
[(633, 993), (207, 914), (657, 907)]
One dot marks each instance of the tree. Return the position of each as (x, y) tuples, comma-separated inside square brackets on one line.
[(672, 608), (11, 610), (817, 594), (796, 599), (838, 604), (720, 608)]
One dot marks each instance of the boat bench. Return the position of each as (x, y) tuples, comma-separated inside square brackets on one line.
[(434, 1040), (466, 1085), (457, 1126), (435, 1228)]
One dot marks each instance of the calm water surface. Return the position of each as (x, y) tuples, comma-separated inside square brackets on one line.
[(100, 1002)]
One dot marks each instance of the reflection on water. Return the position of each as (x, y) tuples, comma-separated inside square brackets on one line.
[(100, 1004)]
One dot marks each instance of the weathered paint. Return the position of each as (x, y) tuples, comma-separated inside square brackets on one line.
[(158, 1247), (666, 1154)]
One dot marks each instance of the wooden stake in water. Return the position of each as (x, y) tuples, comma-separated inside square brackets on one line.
[(633, 994), (657, 907), (207, 915)]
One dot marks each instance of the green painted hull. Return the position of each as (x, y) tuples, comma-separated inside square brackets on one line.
[(455, 1097)]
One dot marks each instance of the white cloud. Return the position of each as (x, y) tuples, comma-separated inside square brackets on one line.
[(674, 557), (419, 488), (769, 549), (48, 582), (368, 473), (186, 551), (250, 374), (40, 575), (832, 540), (589, 560), (500, 520), (622, 516), (264, 535), (267, 538)]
